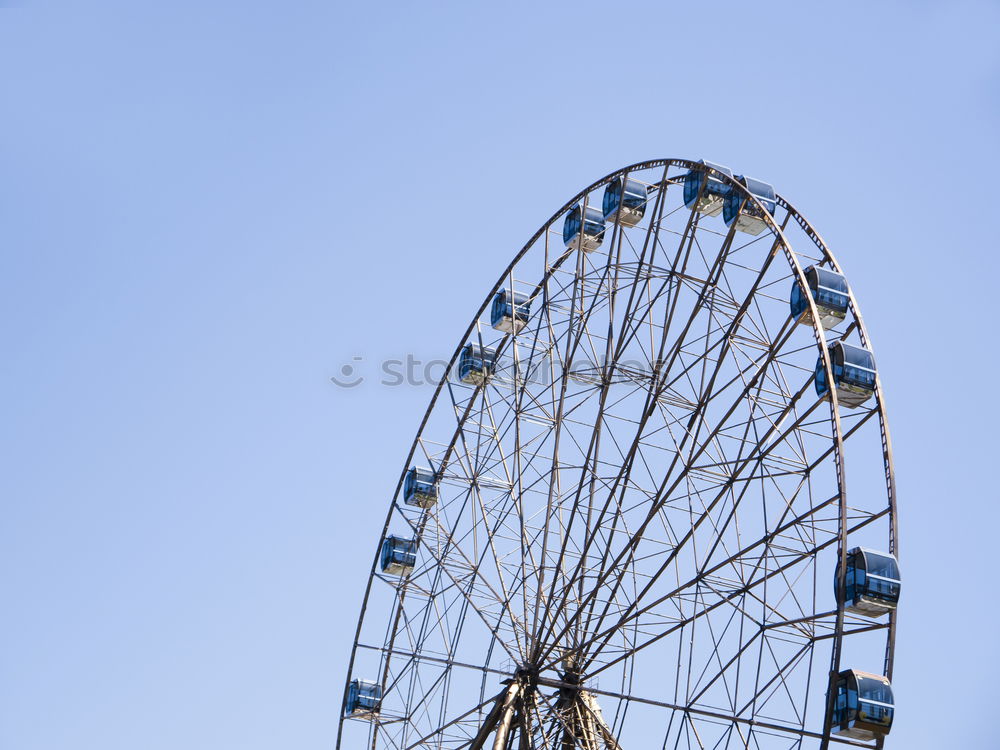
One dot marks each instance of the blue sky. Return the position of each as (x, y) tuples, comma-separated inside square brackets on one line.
[(206, 211)]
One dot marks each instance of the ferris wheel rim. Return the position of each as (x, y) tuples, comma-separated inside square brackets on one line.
[(797, 270)]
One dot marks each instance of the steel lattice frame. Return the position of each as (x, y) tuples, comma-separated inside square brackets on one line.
[(641, 512)]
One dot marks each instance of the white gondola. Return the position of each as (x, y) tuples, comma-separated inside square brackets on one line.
[(420, 487), (624, 201), (363, 700), (872, 582), (510, 311), (740, 209), (863, 706), (399, 555), (583, 230), (829, 292), (705, 192), (853, 374), (476, 363)]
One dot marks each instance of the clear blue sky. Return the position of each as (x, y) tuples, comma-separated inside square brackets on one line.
[(206, 209)]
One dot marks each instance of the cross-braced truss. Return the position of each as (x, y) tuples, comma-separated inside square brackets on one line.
[(640, 512)]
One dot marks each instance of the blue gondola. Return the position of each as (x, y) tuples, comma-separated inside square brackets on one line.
[(704, 192), (583, 232), (476, 364), (363, 699), (863, 706), (828, 290), (398, 556), (747, 216), (872, 582), (853, 374), (628, 206), (420, 487), (510, 311)]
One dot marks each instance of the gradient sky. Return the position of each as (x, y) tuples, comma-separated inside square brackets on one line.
[(208, 209)]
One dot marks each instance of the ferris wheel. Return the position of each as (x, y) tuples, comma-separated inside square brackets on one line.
[(624, 521)]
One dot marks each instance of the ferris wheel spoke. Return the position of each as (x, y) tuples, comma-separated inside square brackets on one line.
[(703, 573), (589, 464), (520, 632), (757, 474), (431, 598), (438, 730), (678, 344), (752, 584), (722, 671), (734, 660), (481, 599), (633, 542), (778, 681), (520, 493), (737, 615), (527, 562), (419, 699), (631, 313), (689, 466), (676, 276), (855, 631), (417, 696), (554, 486), (452, 555), (646, 413)]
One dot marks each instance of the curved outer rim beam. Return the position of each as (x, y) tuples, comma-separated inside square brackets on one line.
[(820, 339)]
